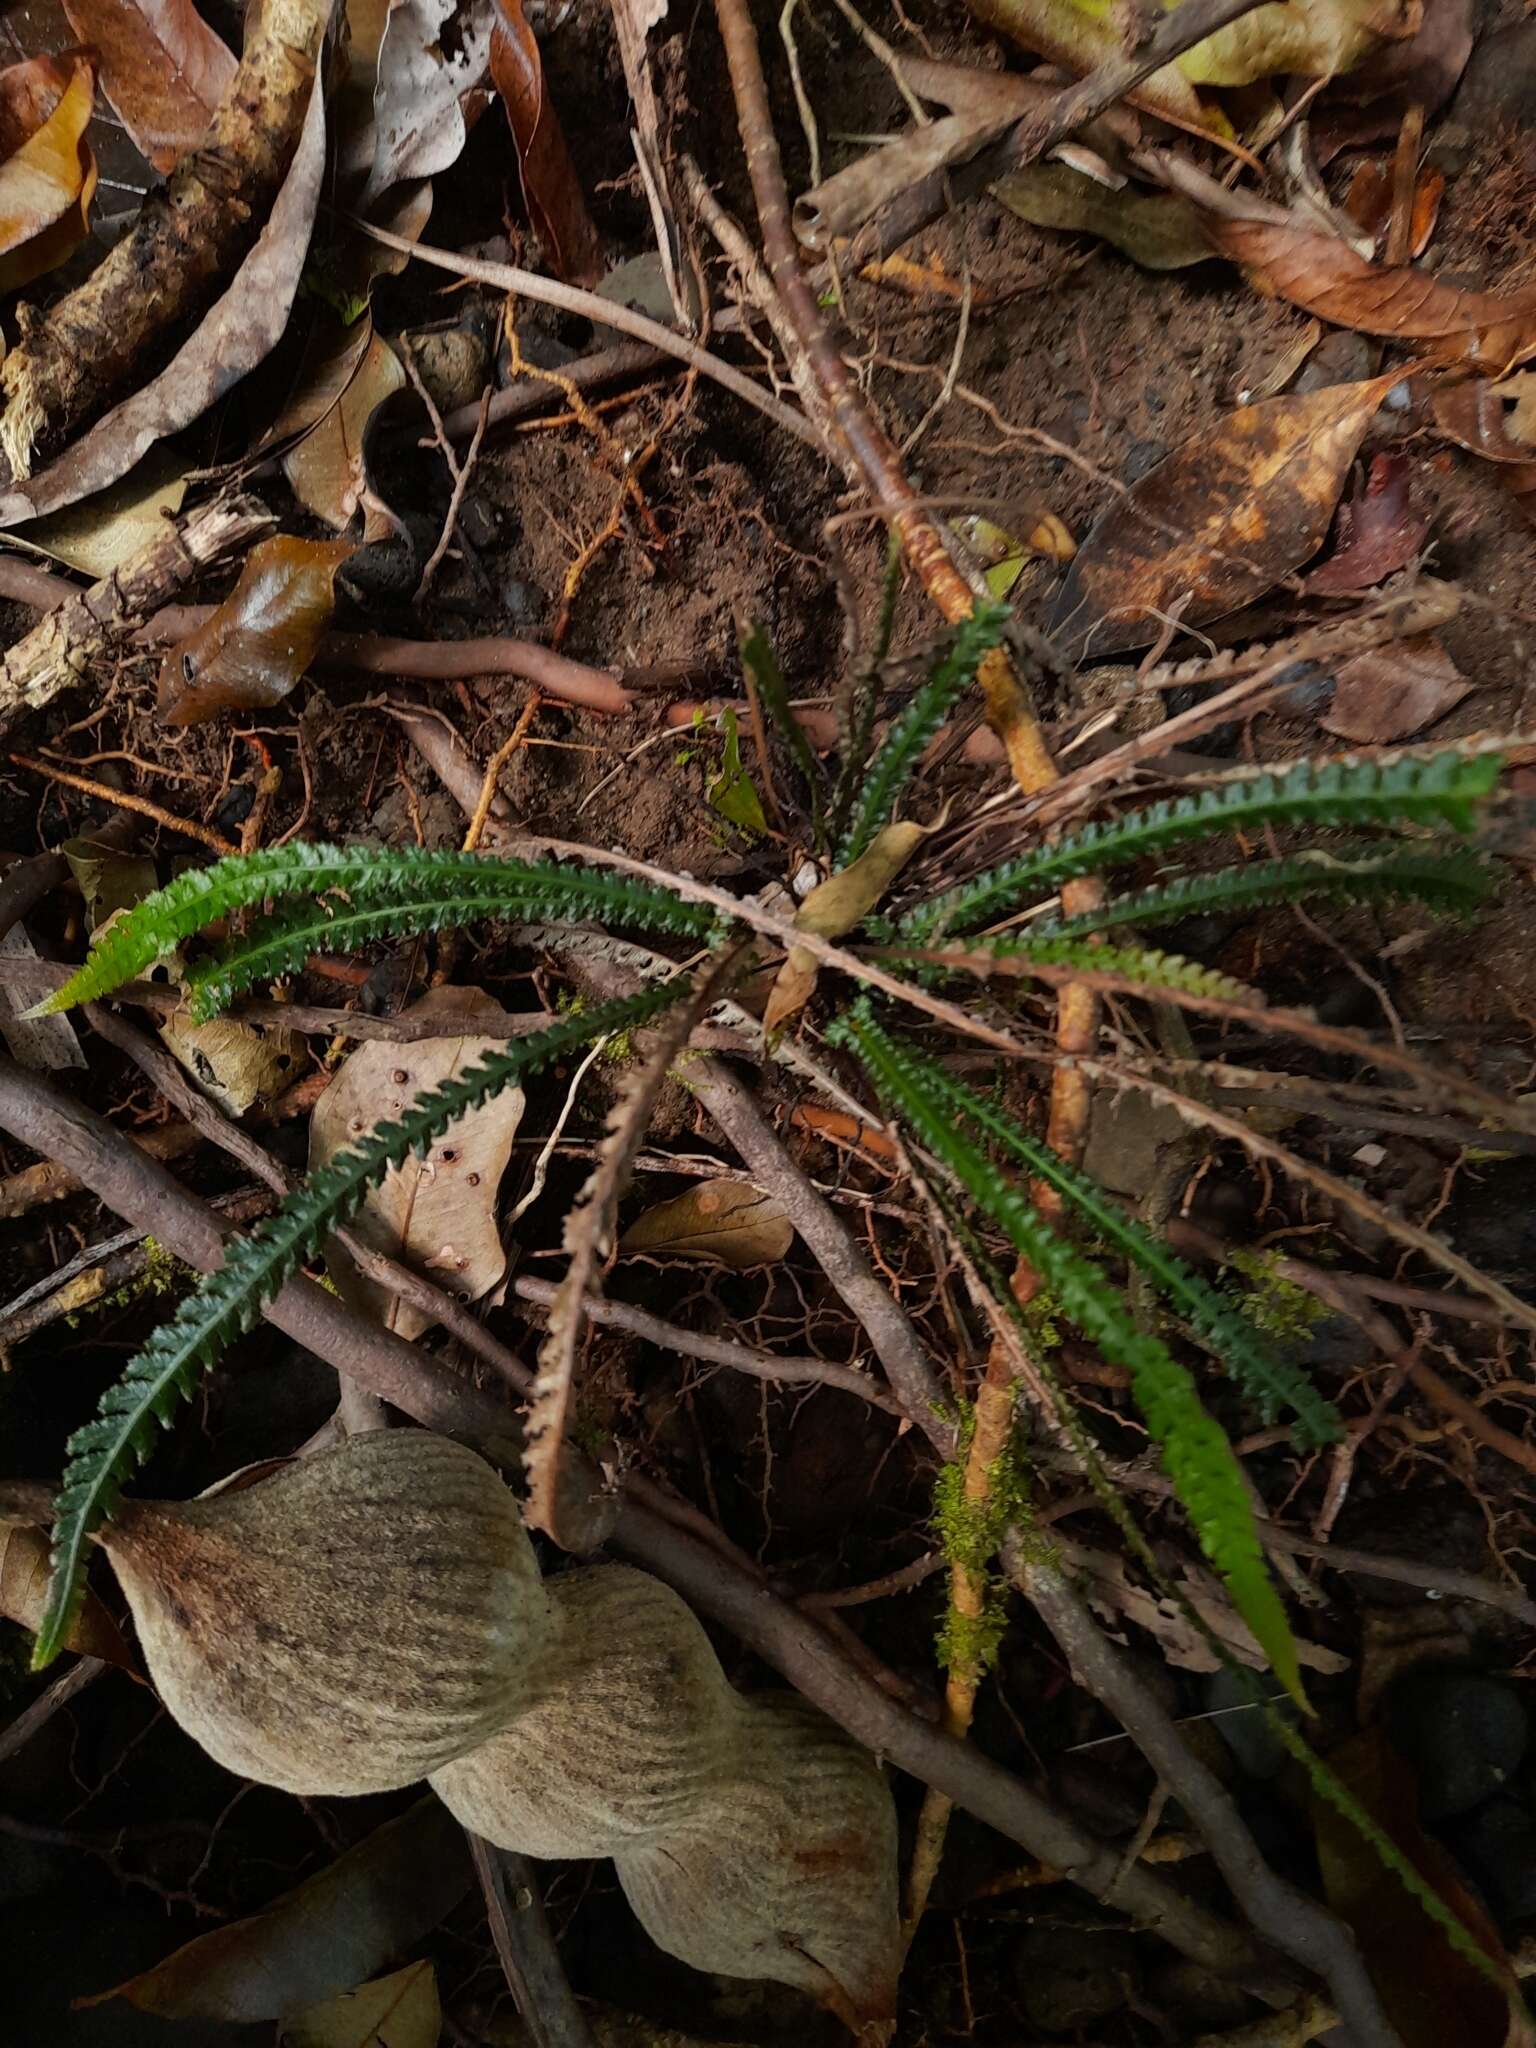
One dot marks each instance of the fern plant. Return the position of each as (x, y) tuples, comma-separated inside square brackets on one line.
[(1200, 1461), (1443, 789), (902, 748), (158, 1378), (340, 888)]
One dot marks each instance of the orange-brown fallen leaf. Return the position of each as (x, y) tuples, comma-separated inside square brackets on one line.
[(1485, 331), (163, 69), (551, 190), (1474, 416), (48, 177), (327, 471), (261, 639), (1391, 693), (1217, 524)]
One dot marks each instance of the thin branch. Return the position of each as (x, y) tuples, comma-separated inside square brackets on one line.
[(526, 1947)]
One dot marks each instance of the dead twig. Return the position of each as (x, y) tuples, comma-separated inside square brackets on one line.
[(61, 647), (525, 1947)]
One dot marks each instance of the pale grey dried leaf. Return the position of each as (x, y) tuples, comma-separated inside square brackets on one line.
[(418, 122), (32, 1040), (437, 1214), (726, 1220)]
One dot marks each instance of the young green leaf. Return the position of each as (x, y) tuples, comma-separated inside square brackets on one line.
[(256, 1267), (365, 877), (897, 760), (1206, 1475)]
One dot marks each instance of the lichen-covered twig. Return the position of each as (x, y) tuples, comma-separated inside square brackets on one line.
[(189, 236), (60, 648)]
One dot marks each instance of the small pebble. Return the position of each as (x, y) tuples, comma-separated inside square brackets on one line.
[(1464, 1733)]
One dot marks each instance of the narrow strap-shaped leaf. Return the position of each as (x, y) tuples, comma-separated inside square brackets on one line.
[(858, 699), (257, 1266), (1454, 882), (1273, 1383), (1200, 1461), (762, 665), (365, 876), (1444, 789), (902, 748)]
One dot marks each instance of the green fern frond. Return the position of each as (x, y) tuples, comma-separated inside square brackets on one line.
[(1445, 789), (1455, 882), (1146, 965), (256, 1267), (1200, 1461), (364, 876), (857, 702), (898, 757), (762, 665), (1272, 1383)]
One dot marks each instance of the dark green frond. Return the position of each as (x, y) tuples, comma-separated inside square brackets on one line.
[(109, 1448), (903, 746), (762, 664), (1271, 1382), (364, 877), (1147, 966), (1454, 882), (1200, 1461), (1445, 789)]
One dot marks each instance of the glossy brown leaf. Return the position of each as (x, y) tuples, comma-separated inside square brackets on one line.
[(47, 182), (328, 471), (1488, 330), (162, 68), (1432, 1995), (1379, 531), (261, 638), (551, 190), (1391, 693), (1219, 522)]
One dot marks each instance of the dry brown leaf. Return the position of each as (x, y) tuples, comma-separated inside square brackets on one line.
[(47, 181), (438, 1214), (261, 639), (399, 2011), (1394, 692), (1432, 1994), (551, 190), (834, 907), (239, 330), (729, 1221), (328, 470), (1219, 522), (1486, 330), (1158, 230), (1379, 531), (24, 1574), (162, 68), (1476, 418), (418, 122), (234, 1064), (105, 529)]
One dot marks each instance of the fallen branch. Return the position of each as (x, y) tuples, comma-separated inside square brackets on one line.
[(189, 235), (61, 647), (525, 1947)]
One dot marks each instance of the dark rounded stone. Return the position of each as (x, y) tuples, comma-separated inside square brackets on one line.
[(1464, 1733)]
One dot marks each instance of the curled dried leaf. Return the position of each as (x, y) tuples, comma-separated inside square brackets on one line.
[(551, 189), (163, 69), (263, 636), (47, 182), (328, 471)]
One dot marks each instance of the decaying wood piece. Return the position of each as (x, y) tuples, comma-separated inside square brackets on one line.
[(61, 646), (190, 234)]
